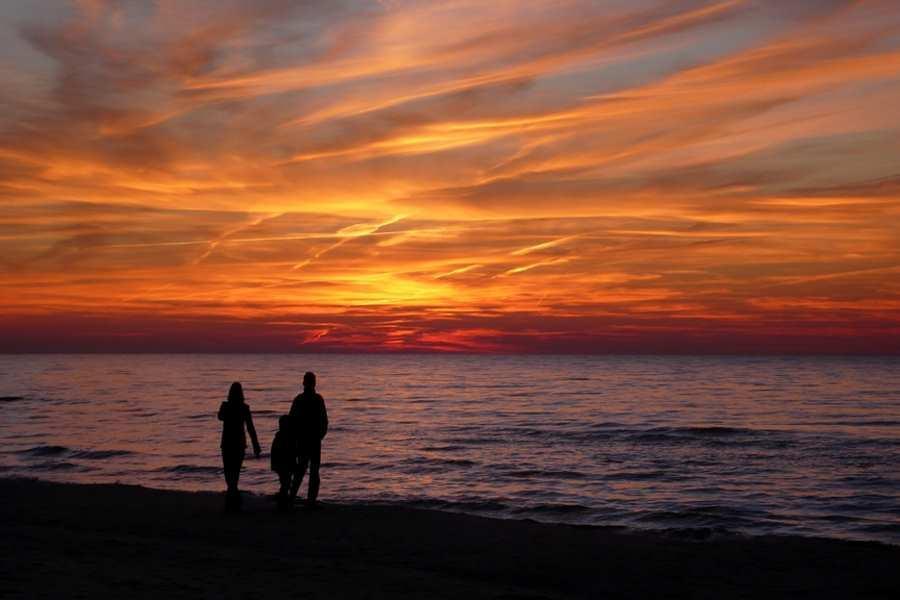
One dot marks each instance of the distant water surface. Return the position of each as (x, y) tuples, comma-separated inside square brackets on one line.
[(806, 446)]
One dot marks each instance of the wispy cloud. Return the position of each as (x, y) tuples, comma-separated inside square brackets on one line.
[(542, 246), (346, 234), (542, 263), (458, 271)]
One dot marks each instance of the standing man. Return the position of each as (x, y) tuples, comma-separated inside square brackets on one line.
[(311, 422)]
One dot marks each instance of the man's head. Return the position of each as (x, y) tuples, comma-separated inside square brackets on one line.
[(309, 380)]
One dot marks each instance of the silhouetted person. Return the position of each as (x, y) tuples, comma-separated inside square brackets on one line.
[(311, 422), (235, 415), (284, 458)]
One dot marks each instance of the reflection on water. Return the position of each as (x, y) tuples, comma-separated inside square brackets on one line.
[(791, 445)]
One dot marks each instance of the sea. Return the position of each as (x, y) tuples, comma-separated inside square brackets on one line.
[(688, 445)]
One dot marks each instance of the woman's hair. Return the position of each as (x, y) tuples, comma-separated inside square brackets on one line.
[(236, 392)]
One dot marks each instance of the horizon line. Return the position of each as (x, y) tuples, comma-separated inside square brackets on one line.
[(470, 353)]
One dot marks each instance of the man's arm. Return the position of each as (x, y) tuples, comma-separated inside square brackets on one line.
[(324, 428), (222, 412)]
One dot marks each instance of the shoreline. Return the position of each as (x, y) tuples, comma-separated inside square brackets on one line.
[(88, 539), (699, 532)]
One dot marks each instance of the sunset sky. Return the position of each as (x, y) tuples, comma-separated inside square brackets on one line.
[(535, 176)]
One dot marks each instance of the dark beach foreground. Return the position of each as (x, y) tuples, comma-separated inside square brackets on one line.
[(65, 540)]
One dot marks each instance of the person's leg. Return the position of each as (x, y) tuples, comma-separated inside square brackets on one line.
[(232, 461), (315, 459), (228, 465), (238, 463), (284, 478), (298, 475)]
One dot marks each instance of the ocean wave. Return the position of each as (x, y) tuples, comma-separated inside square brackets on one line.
[(696, 534), (346, 465), (99, 454), (553, 509), (640, 475), (474, 441), (141, 411), (473, 505), (428, 460), (866, 481), (708, 516), (605, 425), (890, 528), (843, 421), (191, 470), (695, 432), (45, 451), (499, 431), (51, 450), (709, 435), (714, 436), (59, 466), (27, 436), (716, 430), (542, 474), (448, 448)]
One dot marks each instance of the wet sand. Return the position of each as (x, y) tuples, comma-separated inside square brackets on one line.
[(61, 540)]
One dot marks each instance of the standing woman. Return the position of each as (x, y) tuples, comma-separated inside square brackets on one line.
[(234, 414)]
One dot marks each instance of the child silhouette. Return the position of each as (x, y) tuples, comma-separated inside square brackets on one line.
[(284, 458)]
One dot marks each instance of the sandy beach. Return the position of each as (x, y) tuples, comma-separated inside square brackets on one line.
[(66, 540)]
